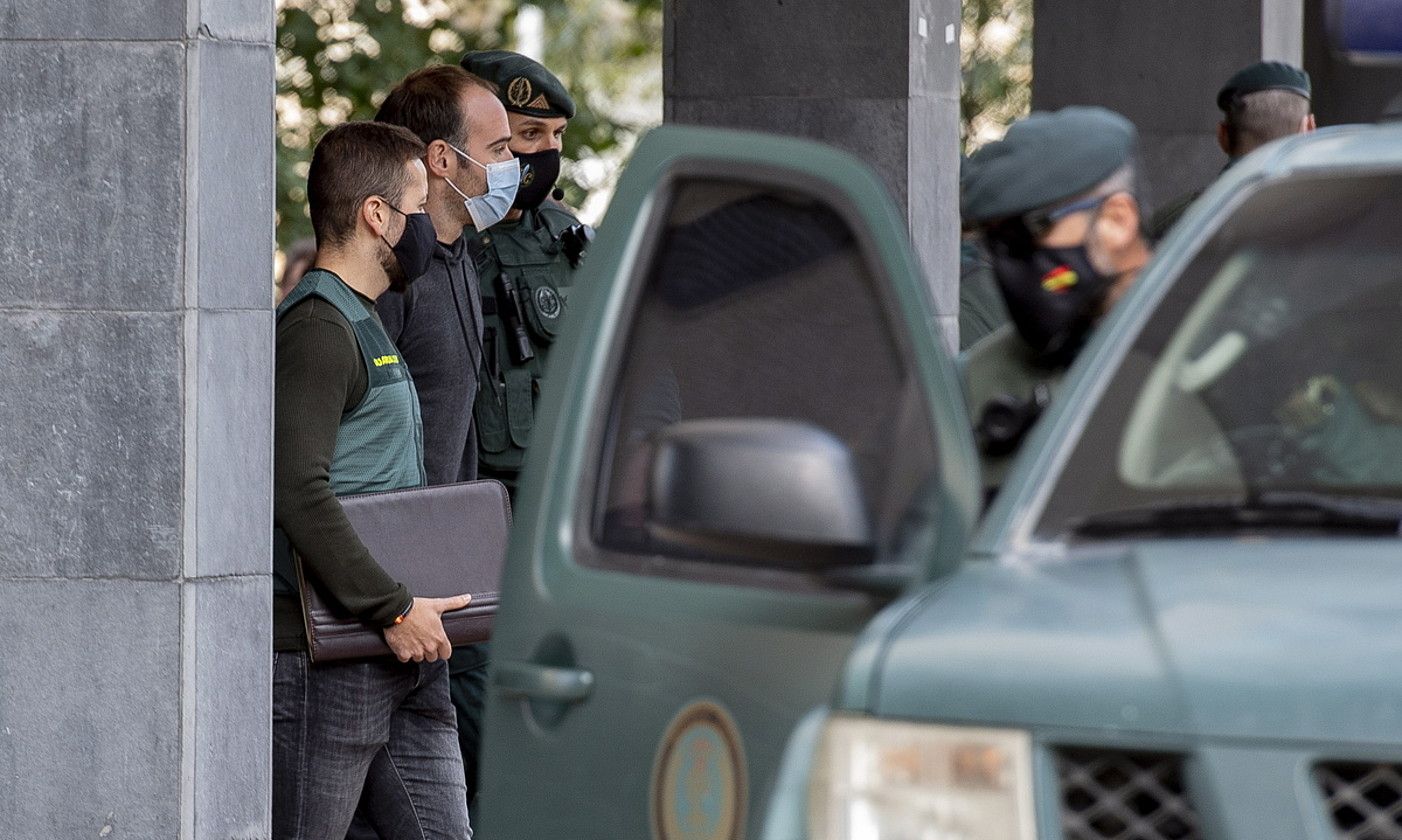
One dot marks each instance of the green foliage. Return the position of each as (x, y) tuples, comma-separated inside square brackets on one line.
[(337, 59), (996, 53)]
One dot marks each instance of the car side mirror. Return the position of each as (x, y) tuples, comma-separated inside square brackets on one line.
[(776, 492)]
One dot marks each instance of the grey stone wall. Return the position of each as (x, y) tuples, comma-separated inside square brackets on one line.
[(135, 394), (1161, 65), (879, 80)]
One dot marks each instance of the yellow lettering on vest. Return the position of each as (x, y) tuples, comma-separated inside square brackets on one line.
[(386, 360)]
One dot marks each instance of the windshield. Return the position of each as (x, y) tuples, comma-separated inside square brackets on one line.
[(1274, 365)]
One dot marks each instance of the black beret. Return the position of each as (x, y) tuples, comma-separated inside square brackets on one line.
[(1044, 159), (523, 83), (1265, 75)]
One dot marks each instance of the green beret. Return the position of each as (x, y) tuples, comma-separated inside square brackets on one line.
[(523, 83), (1044, 159), (1266, 75)]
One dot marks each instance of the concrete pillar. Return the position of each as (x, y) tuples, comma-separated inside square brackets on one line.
[(1161, 65), (879, 80), (1345, 92), (135, 398)]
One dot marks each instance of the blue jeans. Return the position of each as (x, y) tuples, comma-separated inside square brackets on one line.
[(380, 726)]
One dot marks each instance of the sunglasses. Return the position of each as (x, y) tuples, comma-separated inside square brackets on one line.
[(1038, 222)]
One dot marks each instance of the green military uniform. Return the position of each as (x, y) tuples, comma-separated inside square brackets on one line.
[(526, 268), (1001, 365), (981, 309), (530, 254), (1045, 161)]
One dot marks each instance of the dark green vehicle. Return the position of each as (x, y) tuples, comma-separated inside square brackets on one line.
[(746, 596)]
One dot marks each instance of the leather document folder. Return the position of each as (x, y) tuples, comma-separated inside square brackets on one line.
[(438, 541)]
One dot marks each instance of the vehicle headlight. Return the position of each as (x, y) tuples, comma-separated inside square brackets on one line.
[(885, 780)]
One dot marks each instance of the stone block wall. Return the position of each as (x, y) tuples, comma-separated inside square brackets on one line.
[(135, 394), (1161, 65), (878, 80)]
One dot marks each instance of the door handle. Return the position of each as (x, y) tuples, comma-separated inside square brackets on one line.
[(543, 682)]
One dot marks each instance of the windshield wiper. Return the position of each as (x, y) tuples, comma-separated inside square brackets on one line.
[(1263, 511)]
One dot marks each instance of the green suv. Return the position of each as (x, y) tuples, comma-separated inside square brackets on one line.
[(747, 597)]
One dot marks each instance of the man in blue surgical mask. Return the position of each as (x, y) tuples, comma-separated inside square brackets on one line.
[(437, 321)]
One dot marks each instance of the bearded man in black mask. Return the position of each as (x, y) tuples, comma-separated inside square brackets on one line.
[(1059, 205), (373, 731)]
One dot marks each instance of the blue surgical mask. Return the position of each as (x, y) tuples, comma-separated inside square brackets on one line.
[(503, 178)]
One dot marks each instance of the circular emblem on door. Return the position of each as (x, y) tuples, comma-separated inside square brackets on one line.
[(699, 786), (547, 302)]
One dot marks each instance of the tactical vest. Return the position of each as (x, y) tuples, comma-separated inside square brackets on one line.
[(530, 255), (380, 444)]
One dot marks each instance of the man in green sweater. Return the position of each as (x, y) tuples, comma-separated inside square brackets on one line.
[(347, 421)]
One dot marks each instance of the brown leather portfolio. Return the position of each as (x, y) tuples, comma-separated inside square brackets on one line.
[(438, 541)]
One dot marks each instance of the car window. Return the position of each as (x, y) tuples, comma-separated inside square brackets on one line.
[(760, 303), (1273, 365)]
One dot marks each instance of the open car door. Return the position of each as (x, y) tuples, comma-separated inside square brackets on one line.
[(749, 442)]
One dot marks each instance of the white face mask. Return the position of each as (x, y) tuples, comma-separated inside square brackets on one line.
[(502, 180)]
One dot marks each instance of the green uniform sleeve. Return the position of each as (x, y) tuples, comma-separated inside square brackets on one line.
[(981, 308), (319, 376)]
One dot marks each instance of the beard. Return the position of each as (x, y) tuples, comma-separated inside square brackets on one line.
[(397, 281)]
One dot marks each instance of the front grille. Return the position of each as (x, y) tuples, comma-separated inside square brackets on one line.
[(1112, 795), (1365, 800)]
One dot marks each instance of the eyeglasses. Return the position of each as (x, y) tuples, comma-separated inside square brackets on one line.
[(1039, 222)]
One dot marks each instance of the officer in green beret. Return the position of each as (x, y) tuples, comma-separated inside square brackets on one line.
[(526, 263), (1260, 103), (1057, 203)]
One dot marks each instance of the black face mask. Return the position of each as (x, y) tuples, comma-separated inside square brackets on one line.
[(413, 253), (1053, 294), (539, 170)]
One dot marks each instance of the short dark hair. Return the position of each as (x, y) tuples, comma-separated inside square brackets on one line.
[(428, 102), (351, 163)]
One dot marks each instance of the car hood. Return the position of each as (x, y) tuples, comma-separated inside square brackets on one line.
[(1272, 639)]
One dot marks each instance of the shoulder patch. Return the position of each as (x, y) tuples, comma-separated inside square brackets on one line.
[(556, 213)]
